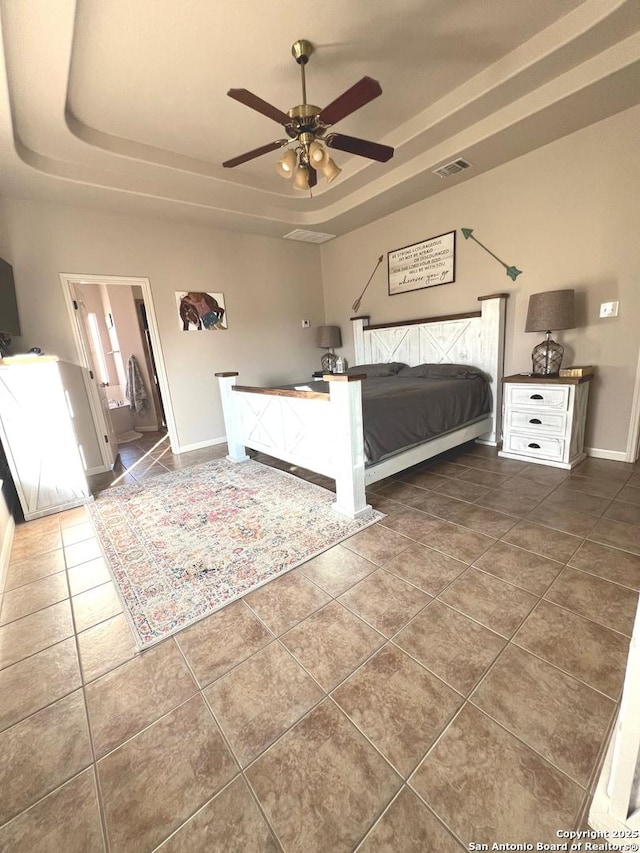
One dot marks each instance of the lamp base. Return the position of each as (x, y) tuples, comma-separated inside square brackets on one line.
[(328, 362), (547, 357)]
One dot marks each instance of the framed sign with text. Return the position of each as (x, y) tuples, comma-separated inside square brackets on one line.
[(424, 264)]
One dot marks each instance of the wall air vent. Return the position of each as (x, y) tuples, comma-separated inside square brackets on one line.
[(308, 236), (451, 168)]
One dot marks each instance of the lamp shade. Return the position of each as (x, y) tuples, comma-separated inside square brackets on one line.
[(551, 310), (317, 155), (330, 170), (301, 178), (287, 163), (329, 336)]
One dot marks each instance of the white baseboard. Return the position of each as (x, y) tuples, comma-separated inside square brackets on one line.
[(596, 452), (614, 455), (199, 445), (99, 469), (6, 551)]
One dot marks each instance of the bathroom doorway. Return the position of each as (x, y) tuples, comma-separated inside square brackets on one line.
[(117, 340)]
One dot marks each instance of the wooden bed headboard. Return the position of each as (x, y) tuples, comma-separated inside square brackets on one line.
[(475, 338)]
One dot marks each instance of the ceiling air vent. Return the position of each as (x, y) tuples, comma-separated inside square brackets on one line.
[(451, 168), (308, 236)]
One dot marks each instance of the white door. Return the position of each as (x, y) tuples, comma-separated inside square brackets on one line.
[(96, 389)]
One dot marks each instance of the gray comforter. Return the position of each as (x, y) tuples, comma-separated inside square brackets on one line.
[(400, 412)]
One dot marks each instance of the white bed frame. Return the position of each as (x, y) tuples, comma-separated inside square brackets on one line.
[(323, 431)]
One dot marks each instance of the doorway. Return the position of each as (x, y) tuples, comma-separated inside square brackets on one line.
[(117, 340)]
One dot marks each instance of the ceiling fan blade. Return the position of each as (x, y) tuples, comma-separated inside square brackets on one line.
[(361, 147), (250, 100), (357, 96), (257, 152)]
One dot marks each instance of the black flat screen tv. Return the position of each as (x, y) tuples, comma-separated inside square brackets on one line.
[(9, 320)]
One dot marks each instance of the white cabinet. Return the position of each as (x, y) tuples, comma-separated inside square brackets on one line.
[(544, 419), (39, 406), (615, 809)]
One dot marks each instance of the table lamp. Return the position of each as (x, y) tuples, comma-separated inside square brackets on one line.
[(328, 338), (553, 309)]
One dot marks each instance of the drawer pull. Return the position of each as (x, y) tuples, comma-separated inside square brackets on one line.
[(534, 445), (535, 421), (536, 397)]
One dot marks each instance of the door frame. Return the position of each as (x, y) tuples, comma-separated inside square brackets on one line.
[(69, 279), (633, 441)]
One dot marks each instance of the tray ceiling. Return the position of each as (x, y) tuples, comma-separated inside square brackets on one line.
[(123, 105)]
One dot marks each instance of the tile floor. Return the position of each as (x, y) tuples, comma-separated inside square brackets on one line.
[(448, 676)]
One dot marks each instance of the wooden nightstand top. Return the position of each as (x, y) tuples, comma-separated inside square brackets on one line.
[(526, 378)]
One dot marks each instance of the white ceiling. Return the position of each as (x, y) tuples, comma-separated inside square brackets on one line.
[(123, 104)]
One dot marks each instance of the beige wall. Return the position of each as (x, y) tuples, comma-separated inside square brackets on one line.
[(269, 286), (567, 215)]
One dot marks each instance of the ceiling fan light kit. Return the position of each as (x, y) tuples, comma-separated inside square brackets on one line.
[(306, 126)]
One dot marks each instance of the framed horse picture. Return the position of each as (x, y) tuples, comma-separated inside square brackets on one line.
[(200, 311)]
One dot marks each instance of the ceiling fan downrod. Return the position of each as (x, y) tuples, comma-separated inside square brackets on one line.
[(304, 128), (302, 50)]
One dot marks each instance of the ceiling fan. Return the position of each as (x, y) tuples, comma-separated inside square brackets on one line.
[(306, 125)]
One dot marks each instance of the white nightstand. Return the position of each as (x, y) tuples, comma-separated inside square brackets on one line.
[(544, 419)]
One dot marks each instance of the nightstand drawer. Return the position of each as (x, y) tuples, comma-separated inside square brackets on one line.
[(536, 447), (542, 422), (538, 396)]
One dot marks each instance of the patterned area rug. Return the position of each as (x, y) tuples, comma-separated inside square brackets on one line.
[(185, 544)]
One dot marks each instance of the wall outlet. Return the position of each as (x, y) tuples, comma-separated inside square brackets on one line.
[(305, 324), (609, 309)]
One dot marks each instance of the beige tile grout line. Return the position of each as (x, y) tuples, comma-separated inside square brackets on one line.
[(513, 641), (363, 663), (82, 686), (228, 745), (421, 762), (508, 641), (326, 696), (103, 821), (387, 640)]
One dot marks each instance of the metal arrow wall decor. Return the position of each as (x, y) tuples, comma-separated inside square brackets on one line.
[(356, 304), (512, 272)]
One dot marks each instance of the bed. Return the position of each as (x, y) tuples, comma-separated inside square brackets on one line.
[(319, 426)]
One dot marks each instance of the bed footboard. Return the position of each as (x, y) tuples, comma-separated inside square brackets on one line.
[(315, 430)]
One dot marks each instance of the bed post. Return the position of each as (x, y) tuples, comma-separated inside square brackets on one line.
[(493, 323), (237, 451), (358, 324), (347, 448)]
